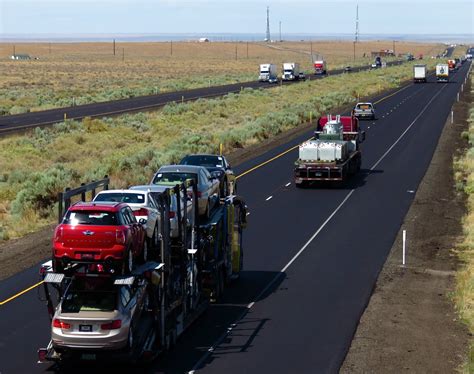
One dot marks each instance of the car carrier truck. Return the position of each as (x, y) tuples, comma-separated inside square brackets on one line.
[(334, 153), (169, 292)]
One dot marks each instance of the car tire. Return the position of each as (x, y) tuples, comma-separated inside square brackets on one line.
[(130, 339), (145, 253), (154, 239), (207, 213)]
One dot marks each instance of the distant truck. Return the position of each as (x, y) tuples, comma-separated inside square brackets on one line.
[(334, 153), (452, 65), (442, 73), (320, 67), (268, 72), (291, 71), (419, 73)]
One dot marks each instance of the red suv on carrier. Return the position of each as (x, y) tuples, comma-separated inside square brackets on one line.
[(99, 232)]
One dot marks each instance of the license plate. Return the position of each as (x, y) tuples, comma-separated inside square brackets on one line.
[(88, 356), (85, 328)]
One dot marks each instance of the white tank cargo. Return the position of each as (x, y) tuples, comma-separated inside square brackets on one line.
[(308, 151), (331, 151)]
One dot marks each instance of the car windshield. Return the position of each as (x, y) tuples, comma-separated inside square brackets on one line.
[(202, 160), (91, 217), (124, 197), (90, 295), (172, 178), (364, 106)]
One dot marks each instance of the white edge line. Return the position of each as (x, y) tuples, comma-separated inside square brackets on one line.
[(286, 185), (407, 129), (269, 198)]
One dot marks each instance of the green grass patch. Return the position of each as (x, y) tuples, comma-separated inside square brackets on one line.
[(130, 148)]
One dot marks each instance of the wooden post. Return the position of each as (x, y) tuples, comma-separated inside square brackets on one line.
[(247, 49), (114, 47), (123, 54), (171, 48), (236, 51)]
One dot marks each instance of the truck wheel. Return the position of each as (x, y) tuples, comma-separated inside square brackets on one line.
[(127, 264)]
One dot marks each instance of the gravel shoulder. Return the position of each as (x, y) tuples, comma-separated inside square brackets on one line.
[(410, 323)]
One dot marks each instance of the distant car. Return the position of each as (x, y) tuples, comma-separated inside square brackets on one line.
[(374, 66), (217, 165), (207, 186), (96, 314), (273, 80), (143, 206), (173, 213), (301, 76), (364, 110), (348, 69), (99, 232)]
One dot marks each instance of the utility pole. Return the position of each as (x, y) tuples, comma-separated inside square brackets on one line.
[(114, 47), (354, 50), (280, 32), (123, 54), (236, 51), (14, 52), (49, 47), (311, 44), (171, 48), (268, 38), (247, 49), (394, 48), (357, 24)]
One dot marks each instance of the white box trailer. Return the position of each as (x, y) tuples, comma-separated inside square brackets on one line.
[(291, 71), (267, 72), (419, 73), (442, 73)]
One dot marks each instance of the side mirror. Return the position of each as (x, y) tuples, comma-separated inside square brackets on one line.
[(142, 221)]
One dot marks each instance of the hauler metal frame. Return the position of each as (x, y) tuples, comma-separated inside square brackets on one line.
[(186, 275)]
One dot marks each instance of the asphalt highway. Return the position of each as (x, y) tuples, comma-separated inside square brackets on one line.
[(20, 122), (312, 256)]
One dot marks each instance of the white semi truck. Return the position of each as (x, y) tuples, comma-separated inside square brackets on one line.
[(442, 73), (268, 72), (419, 73), (291, 71)]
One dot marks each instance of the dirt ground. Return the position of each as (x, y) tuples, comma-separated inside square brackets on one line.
[(410, 324)]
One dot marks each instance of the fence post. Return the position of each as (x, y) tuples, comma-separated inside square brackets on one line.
[(106, 186)]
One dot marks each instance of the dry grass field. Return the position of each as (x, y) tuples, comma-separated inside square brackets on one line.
[(34, 167), (89, 72)]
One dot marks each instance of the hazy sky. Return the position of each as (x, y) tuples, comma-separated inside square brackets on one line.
[(231, 16)]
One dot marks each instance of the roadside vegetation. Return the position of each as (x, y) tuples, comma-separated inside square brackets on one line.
[(464, 295), (83, 73), (130, 148)]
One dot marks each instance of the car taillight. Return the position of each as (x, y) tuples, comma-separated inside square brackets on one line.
[(112, 325), (58, 234), (172, 214), (120, 236), (61, 324), (140, 212)]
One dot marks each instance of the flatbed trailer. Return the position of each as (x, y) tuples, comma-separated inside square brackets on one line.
[(327, 171), (307, 171), (181, 283)]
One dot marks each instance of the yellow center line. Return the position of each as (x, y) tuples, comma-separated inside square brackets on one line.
[(237, 177), (21, 293)]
